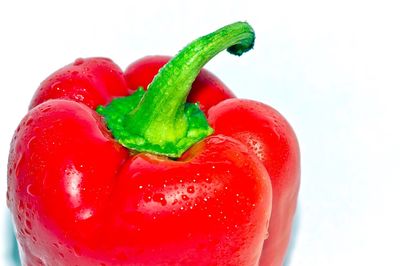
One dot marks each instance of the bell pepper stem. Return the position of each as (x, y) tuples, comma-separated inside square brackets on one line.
[(162, 122)]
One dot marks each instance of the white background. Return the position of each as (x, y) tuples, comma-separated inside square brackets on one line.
[(331, 67)]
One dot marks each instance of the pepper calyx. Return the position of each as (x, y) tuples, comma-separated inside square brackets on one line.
[(159, 120), (115, 115)]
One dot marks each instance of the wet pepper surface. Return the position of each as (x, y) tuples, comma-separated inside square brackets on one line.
[(113, 168)]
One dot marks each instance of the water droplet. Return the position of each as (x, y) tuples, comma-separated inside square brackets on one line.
[(8, 195), (29, 121), (45, 109), (147, 196), (77, 251), (160, 198), (21, 206), (32, 190), (19, 164), (216, 140), (28, 224), (36, 260), (185, 197), (31, 142), (27, 232), (79, 61), (190, 189)]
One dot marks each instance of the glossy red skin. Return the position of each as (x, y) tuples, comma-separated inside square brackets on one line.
[(207, 89), (262, 129), (269, 135), (79, 198), (92, 81)]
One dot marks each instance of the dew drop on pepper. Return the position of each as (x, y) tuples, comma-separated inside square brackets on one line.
[(28, 122), (31, 142), (79, 61), (28, 224), (190, 189), (185, 197), (31, 190), (77, 251), (21, 206), (160, 198), (147, 197)]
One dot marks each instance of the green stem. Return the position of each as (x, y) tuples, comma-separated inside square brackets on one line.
[(162, 122)]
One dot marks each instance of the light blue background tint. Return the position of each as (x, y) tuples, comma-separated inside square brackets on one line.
[(331, 67)]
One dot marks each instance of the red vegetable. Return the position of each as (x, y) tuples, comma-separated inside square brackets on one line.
[(145, 180), (268, 134), (262, 129)]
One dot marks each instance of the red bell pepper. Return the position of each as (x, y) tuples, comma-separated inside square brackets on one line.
[(147, 180), (262, 128)]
